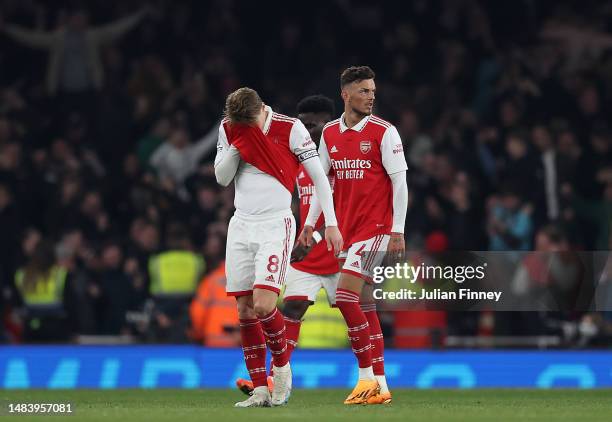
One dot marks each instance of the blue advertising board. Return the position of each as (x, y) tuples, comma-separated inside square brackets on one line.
[(108, 367)]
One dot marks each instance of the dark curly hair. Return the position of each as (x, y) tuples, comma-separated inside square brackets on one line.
[(316, 104)]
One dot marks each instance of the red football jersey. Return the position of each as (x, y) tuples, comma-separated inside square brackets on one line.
[(256, 192), (319, 260), (361, 159)]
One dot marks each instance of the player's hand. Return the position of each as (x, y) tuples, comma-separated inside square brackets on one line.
[(334, 239), (397, 247), (299, 252), (305, 238)]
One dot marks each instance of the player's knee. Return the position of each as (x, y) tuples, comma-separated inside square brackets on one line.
[(263, 309), (351, 282), (264, 302), (245, 309), (295, 309), (367, 298), (263, 306)]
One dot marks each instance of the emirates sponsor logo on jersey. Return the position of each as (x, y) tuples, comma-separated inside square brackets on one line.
[(350, 169), (345, 163), (365, 146), (306, 191)]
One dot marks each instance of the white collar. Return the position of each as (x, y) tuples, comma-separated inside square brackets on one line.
[(266, 127), (358, 127)]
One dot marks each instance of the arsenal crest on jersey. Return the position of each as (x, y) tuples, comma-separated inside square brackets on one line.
[(365, 146)]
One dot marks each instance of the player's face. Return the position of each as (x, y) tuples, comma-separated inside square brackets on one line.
[(360, 95), (314, 122)]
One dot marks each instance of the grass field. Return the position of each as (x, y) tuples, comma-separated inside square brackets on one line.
[(324, 405)]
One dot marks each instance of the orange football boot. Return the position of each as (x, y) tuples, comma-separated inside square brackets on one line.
[(362, 392), (380, 398), (246, 386)]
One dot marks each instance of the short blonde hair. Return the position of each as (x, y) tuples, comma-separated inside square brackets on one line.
[(243, 106)]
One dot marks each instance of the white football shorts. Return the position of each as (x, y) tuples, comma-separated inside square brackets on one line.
[(258, 251), (301, 285), (362, 257)]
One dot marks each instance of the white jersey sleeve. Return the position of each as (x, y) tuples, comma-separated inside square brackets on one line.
[(392, 151), (222, 144), (301, 143), (400, 201), (305, 150), (315, 205), (227, 159), (324, 155)]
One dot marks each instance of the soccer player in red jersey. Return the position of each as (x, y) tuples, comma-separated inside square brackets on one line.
[(364, 154), (261, 151), (319, 268)]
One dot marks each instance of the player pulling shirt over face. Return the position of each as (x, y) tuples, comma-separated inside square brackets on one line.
[(260, 151)]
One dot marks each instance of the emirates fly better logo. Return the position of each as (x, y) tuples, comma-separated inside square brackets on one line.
[(350, 169)]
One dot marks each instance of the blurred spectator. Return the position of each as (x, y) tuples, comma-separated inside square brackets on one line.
[(519, 167), (42, 285), (550, 173), (213, 313), (509, 223), (598, 212), (9, 227), (174, 275), (176, 271), (74, 66), (464, 229), (555, 280), (116, 291), (551, 272), (177, 159)]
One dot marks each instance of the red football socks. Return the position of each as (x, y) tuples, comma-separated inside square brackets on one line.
[(376, 338), (358, 331), (292, 334), (254, 349), (273, 326)]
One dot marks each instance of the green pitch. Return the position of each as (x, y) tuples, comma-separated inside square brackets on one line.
[(324, 405)]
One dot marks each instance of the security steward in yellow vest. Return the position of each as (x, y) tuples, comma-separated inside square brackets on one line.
[(43, 298), (323, 327), (174, 275)]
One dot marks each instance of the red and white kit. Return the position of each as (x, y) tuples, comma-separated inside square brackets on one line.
[(262, 231), (362, 160), (320, 267)]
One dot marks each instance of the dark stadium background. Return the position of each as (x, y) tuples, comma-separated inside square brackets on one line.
[(479, 92)]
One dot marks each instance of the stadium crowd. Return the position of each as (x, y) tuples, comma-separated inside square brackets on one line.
[(109, 115)]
